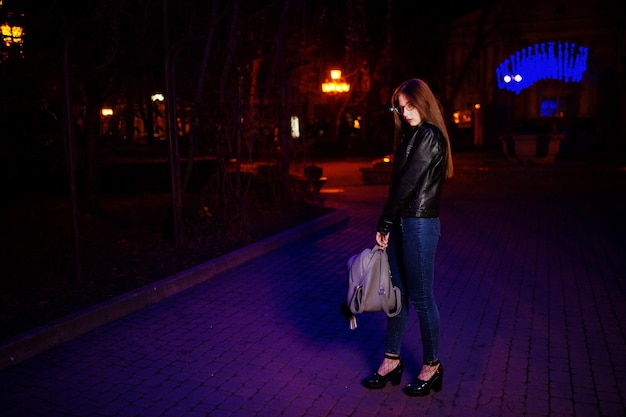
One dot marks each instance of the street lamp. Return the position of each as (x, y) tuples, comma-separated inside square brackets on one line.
[(158, 118), (11, 34), (157, 97), (336, 84), (12, 38), (334, 87)]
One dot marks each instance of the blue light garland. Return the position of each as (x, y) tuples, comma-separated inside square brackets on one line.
[(555, 60)]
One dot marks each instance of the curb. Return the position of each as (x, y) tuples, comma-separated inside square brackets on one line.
[(36, 341)]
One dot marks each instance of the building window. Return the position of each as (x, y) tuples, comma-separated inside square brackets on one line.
[(553, 107)]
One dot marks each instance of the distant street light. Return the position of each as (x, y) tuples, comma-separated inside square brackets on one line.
[(158, 118), (336, 85), (11, 34), (12, 38)]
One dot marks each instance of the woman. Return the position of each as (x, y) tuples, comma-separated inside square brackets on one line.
[(409, 228)]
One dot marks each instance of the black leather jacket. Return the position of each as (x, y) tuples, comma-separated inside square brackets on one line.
[(417, 177)]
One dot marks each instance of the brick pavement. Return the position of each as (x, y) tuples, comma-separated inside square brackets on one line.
[(530, 283)]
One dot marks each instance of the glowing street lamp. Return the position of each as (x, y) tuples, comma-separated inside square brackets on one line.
[(11, 34), (13, 38), (336, 85)]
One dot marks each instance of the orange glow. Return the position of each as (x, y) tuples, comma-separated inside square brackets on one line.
[(333, 87), (335, 74), (11, 34), (462, 118), (337, 85)]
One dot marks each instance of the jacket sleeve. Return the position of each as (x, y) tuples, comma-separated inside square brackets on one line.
[(405, 183)]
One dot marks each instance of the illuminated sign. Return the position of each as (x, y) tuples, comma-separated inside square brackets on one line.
[(564, 61)]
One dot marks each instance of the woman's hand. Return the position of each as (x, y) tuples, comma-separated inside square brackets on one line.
[(382, 240)]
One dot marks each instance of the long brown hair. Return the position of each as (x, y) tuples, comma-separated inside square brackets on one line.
[(421, 96)]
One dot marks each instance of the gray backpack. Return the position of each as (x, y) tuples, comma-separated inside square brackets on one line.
[(369, 284)]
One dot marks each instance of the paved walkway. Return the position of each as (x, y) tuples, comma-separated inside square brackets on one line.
[(531, 287)]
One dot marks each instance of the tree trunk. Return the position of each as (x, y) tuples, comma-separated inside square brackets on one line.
[(91, 164), (193, 129)]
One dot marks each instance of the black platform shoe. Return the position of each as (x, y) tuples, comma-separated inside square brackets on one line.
[(378, 381), (419, 388)]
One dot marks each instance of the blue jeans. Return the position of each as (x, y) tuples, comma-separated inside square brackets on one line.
[(412, 246)]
